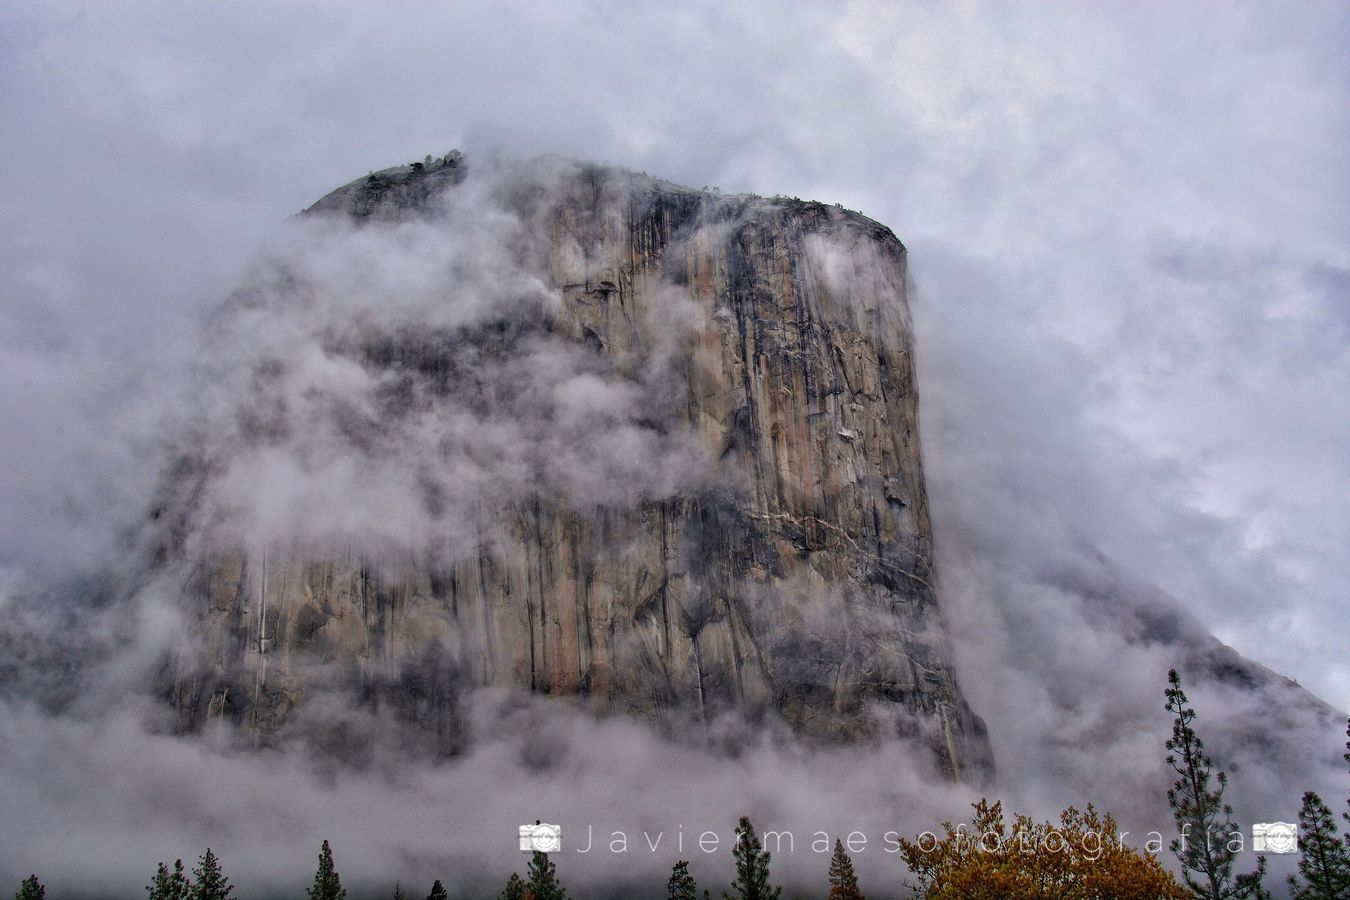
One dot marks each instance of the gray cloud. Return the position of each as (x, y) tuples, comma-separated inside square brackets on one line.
[(267, 812), (363, 391), (1127, 230)]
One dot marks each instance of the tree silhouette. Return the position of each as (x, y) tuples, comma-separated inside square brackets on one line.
[(681, 885), (543, 879), (1204, 846), (1325, 861), (1346, 815), (843, 882), (169, 885), (438, 891), (327, 884), (752, 867), (515, 888), (31, 889), (210, 882)]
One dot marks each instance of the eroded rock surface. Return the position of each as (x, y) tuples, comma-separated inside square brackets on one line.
[(666, 461)]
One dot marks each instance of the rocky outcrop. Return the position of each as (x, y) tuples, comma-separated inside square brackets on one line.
[(734, 522)]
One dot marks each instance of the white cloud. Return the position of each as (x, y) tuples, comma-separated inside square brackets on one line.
[(1127, 228)]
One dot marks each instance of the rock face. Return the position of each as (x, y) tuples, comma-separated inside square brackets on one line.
[(703, 493)]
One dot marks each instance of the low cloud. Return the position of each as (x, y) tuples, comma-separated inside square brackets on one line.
[(1130, 293)]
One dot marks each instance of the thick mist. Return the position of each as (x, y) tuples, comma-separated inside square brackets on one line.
[(318, 436), (309, 449), (284, 438), (1127, 235)]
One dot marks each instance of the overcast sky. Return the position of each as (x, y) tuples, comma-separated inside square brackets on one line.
[(1127, 227), (1127, 224)]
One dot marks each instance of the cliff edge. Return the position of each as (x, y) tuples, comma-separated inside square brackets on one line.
[(573, 429)]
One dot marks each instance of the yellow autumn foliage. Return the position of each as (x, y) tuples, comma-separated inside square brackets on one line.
[(1081, 858)]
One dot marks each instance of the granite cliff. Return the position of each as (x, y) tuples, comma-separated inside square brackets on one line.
[(660, 454)]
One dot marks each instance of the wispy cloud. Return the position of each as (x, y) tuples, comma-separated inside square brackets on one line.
[(1127, 233)]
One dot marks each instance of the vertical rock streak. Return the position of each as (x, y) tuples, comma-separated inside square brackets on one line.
[(790, 575)]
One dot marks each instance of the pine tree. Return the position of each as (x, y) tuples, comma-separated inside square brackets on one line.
[(210, 883), (169, 885), (31, 889), (843, 883), (1325, 862), (681, 885), (327, 883), (438, 892), (1346, 815), (1205, 821), (752, 867), (543, 879), (515, 888), (398, 891)]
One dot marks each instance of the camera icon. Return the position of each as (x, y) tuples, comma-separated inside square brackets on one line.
[(540, 838), (1274, 837)]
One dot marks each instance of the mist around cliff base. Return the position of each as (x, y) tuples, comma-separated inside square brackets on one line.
[(1064, 655)]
